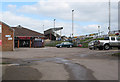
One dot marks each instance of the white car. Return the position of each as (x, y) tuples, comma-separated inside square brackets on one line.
[(108, 42)]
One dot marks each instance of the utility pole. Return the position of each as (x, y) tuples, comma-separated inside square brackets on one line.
[(54, 23), (109, 28), (98, 31), (72, 23)]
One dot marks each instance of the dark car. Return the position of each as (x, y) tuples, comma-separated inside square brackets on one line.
[(65, 44)]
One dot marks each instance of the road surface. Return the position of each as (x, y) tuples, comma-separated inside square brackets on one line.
[(52, 63)]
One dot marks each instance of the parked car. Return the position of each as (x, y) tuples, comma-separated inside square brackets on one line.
[(93, 44), (79, 45), (107, 43), (65, 44)]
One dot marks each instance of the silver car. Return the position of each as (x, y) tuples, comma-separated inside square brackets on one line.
[(93, 44)]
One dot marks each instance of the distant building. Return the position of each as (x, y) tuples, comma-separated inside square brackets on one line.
[(51, 33)]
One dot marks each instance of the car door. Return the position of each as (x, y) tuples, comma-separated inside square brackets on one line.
[(66, 44), (62, 44), (118, 41), (113, 41)]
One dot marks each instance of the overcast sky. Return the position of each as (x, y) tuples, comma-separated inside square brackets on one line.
[(87, 15)]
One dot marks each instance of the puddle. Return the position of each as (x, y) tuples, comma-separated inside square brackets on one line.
[(15, 64), (76, 71), (82, 55)]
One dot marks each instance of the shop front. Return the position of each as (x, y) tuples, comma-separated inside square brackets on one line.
[(27, 38), (23, 42), (28, 42)]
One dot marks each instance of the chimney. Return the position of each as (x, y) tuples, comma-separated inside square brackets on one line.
[(19, 26)]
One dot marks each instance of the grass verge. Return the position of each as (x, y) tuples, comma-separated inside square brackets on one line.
[(116, 54), (4, 63)]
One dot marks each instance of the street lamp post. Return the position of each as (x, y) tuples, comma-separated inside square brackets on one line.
[(54, 22), (72, 23), (98, 31)]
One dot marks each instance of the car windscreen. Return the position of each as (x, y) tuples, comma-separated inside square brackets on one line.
[(106, 38), (66, 43), (91, 42)]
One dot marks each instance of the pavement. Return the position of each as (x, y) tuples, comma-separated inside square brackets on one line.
[(52, 63)]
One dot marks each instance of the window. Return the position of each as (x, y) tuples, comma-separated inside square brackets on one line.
[(62, 43), (118, 38), (106, 38), (112, 38), (66, 43)]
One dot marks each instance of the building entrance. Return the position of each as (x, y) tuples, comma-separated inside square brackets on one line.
[(22, 43)]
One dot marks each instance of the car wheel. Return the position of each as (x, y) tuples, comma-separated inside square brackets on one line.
[(60, 46), (90, 48), (100, 48), (71, 46), (118, 47), (106, 47)]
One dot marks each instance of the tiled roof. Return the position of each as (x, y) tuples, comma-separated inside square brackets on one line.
[(21, 31)]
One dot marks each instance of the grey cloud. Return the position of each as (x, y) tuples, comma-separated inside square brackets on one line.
[(84, 12)]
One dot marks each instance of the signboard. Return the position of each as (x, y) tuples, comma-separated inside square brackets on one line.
[(75, 37), (24, 38), (0, 42), (37, 39), (91, 34), (7, 36)]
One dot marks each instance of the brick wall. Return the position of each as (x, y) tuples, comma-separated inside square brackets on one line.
[(0, 39), (7, 38)]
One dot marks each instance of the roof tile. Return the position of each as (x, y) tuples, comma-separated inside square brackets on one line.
[(21, 31)]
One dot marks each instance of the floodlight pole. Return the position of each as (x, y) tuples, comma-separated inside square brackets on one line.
[(98, 31), (109, 18), (72, 23), (43, 29), (54, 23)]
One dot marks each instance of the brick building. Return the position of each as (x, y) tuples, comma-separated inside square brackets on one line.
[(25, 37), (19, 36), (7, 37)]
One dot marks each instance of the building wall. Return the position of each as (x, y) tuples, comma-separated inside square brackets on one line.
[(0, 42), (7, 38)]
